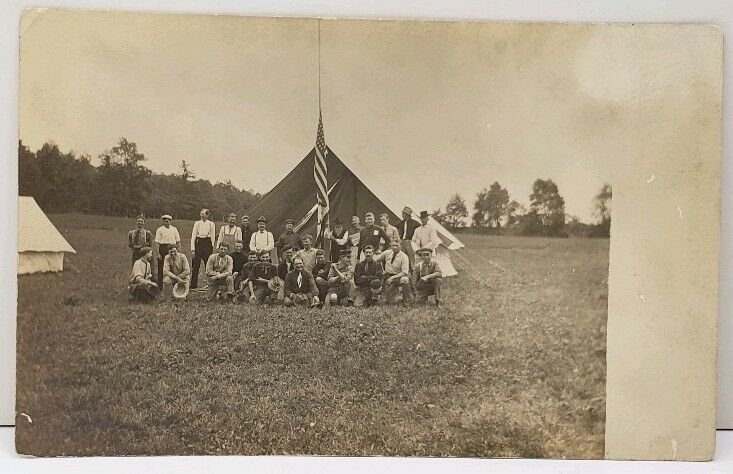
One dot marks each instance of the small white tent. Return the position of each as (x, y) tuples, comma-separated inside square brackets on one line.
[(41, 246)]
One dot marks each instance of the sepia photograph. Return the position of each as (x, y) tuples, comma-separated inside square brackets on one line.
[(282, 236)]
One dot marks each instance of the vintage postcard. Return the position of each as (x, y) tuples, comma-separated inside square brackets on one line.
[(245, 235)]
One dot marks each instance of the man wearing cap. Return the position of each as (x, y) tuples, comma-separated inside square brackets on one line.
[(262, 240), (165, 236), (425, 236), (219, 272), (406, 230), (175, 270), (354, 236), (340, 282), (288, 238), (368, 279), (427, 277), (139, 237), (202, 244), (300, 287), (320, 273), (230, 232), (259, 279), (141, 285), (371, 235), (246, 231), (339, 237), (396, 272), (307, 253)]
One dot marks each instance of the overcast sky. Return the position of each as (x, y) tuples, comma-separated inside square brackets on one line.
[(429, 108)]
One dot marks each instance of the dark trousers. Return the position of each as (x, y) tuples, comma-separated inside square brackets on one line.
[(201, 253), (162, 252)]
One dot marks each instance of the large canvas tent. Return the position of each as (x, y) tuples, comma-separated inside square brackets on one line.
[(41, 246), (349, 194)]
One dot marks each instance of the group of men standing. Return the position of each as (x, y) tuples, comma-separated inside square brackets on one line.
[(365, 263)]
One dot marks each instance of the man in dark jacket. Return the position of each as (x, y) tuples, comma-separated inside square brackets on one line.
[(320, 273), (406, 228), (300, 287), (288, 238), (286, 262), (370, 235), (368, 276)]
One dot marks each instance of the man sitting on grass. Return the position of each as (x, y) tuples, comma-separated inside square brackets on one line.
[(241, 281), (219, 273), (141, 285), (341, 282), (320, 273), (368, 279), (396, 272), (286, 263), (259, 289), (427, 277), (300, 287), (239, 258), (175, 270)]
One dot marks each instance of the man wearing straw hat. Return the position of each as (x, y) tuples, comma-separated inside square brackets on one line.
[(219, 273), (427, 277), (175, 272), (368, 279), (141, 285), (300, 287), (165, 236)]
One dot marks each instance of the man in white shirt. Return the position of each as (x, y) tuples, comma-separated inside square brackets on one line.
[(165, 236), (396, 272), (202, 244), (230, 233), (262, 240), (425, 236)]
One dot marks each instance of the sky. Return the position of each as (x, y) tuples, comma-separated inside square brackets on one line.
[(427, 108)]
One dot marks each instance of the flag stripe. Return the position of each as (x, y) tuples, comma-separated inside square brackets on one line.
[(320, 175)]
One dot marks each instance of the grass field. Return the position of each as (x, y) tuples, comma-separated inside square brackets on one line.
[(513, 363)]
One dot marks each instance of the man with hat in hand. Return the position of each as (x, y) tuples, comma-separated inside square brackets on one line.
[(406, 230), (425, 236), (175, 271), (165, 236), (288, 238), (141, 285), (139, 237), (202, 244), (368, 279), (219, 272), (427, 277), (262, 240), (300, 287), (396, 272), (340, 282)]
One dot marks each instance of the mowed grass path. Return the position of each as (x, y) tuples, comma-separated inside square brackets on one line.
[(512, 365)]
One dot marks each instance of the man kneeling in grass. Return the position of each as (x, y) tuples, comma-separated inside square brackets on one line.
[(300, 286), (175, 270), (320, 273), (219, 272), (427, 277), (340, 282), (141, 285), (396, 272), (368, 279)]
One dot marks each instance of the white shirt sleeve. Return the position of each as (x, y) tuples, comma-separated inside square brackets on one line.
[(270, 242), (344, 239), (194, 233), (178, 236)]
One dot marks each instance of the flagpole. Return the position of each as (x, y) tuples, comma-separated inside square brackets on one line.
[(323, 224)]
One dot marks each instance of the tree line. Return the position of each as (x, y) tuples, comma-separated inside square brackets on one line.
[(120, 184), (496, 212)]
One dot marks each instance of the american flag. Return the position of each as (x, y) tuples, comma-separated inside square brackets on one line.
[(320, 173)]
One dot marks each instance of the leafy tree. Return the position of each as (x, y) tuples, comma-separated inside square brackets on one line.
[(514, 211), (186, 172), (491, 206), (602, 210), (455, 211), (549, 207)]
